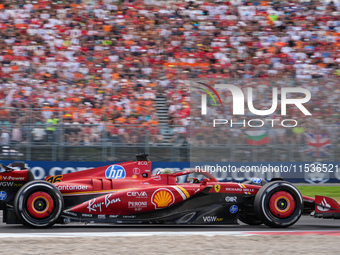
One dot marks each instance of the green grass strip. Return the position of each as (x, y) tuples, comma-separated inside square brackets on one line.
[(328, 191)]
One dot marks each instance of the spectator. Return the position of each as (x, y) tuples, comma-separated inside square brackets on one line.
[(180, 134), (51, 128), (75, 134), (101, 60), (5, 137), (95, 133), (38, 133), (16, 136)]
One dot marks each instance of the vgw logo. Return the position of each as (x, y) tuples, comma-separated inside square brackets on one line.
[(239, 102)]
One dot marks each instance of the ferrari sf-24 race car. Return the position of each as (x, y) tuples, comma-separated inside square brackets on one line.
[(129, 193)]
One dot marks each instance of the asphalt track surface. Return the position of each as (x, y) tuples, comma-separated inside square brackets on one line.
[(306, 223)]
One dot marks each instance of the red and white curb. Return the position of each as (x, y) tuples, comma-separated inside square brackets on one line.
[(146, 234)]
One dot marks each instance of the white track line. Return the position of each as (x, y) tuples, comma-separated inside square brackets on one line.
[(122, 234), (164, 233)]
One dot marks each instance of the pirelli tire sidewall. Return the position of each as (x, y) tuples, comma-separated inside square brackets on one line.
[(262, 207), (21, 204)]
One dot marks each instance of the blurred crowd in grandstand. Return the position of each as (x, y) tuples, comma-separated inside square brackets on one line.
[(96, 67)]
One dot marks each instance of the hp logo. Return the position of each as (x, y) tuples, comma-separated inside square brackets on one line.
[(115, 172)]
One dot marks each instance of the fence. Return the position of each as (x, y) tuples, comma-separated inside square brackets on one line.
[(28, 135), (34, 139)]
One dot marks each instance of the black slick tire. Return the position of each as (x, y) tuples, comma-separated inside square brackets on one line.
[(38, 204)]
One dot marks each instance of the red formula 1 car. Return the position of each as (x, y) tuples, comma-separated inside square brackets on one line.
[(129, 193)]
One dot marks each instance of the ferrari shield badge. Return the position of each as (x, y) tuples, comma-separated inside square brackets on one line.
[(217, 188)]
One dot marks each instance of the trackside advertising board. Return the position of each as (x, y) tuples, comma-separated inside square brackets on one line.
[(303, 172)]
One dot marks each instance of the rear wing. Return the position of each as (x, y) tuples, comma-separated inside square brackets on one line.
[(6, 168), (14, 166)]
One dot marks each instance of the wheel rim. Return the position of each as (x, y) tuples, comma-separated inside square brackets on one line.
[(40, 204), (282, 204)]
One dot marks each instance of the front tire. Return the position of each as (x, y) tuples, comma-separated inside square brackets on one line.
[(38, 204), (278, 204)]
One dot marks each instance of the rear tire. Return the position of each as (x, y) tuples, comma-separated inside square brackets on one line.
[(278, 204), (38, 204)]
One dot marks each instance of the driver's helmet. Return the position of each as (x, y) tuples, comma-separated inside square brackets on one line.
[(18, 165), (165, 171)]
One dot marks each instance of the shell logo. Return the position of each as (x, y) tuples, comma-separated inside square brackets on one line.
[(162, 198)]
